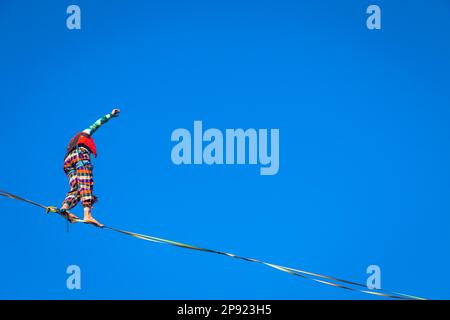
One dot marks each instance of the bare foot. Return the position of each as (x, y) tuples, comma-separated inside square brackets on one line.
[(90, 220), (72, 218), (68, 215)]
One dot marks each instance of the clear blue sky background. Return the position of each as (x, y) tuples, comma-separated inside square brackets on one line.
[(364, 124)]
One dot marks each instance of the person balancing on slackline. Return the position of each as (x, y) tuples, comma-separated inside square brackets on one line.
[(78, 168)]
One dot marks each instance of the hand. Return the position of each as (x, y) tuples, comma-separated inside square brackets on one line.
[(115, 112)]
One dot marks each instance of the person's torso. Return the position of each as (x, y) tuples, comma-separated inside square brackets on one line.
[(80, 156), (82, 139)]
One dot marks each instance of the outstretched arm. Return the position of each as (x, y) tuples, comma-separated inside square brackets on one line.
[(97, 124)]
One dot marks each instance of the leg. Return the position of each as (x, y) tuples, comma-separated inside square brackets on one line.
[(86, 183), (73, 196)]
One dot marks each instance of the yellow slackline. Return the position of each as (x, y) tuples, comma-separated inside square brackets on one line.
[(316, 277)]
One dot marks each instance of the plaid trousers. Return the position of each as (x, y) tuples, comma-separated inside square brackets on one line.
[(78, 168)]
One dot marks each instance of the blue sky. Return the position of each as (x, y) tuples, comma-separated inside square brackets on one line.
[(364, 146)]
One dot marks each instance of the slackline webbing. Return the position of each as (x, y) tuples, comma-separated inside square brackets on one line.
[(316, 277)]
